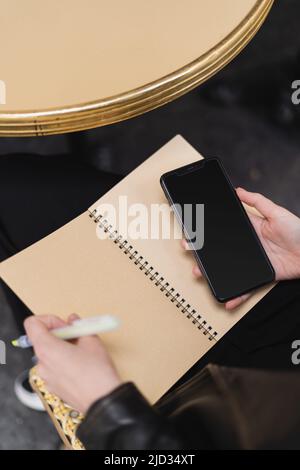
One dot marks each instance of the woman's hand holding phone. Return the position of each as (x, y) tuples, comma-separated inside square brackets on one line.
[(279, 232)]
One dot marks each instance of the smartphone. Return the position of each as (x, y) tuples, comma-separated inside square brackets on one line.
[(231, 256)]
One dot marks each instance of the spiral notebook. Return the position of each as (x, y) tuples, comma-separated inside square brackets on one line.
[(169, 320)]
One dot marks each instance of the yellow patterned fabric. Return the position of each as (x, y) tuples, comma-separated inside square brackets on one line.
[(65, 418)]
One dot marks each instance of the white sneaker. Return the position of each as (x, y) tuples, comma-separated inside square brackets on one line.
[(25, 394)]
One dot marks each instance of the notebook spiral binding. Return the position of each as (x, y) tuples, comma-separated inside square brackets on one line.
[(154, 276)]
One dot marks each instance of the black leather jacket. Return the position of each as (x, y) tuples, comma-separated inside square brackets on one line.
[(219, 408)]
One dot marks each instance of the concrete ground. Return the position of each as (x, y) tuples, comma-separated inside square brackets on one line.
[(20, 428)]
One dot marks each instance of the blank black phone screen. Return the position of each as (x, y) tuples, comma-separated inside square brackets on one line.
[(232, 257)]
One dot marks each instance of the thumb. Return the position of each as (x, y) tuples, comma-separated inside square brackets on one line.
[(266, 207), (39, 330)]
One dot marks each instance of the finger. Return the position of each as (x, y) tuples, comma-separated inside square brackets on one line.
[(234, 303), (256, 221), (42, 323), (197, 272), (50, 321), (266, 207), (38, 331), (185, 244), (73, 317), (90, 343)]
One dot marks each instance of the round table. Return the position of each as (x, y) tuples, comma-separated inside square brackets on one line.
[(71, 65)]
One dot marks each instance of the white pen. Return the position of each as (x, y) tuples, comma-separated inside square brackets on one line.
[(81, 327)]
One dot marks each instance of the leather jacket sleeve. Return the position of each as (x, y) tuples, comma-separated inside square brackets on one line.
[(219, 408), (125, 420)]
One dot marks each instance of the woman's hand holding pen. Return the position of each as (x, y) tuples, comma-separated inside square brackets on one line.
[(79, 372)]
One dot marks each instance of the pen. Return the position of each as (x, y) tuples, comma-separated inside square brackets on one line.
[(81, 327)]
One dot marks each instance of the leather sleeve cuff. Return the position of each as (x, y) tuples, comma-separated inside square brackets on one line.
[(125, 420)]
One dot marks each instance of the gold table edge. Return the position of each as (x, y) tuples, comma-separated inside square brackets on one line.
[(146, 98)]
